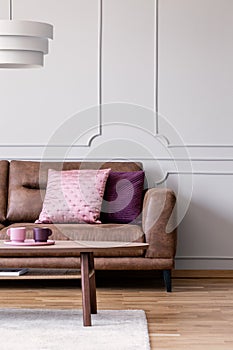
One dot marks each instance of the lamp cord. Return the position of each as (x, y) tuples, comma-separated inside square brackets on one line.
[(10, 9)]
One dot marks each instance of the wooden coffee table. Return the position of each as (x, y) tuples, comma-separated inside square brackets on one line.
[(86, 249)]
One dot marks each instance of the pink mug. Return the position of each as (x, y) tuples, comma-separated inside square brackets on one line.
[(17, 234)]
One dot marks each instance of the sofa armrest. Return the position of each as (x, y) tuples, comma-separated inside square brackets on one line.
[(158, 223)]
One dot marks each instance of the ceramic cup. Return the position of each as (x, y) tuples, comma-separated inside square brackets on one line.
[(41, 234), (17, 234)]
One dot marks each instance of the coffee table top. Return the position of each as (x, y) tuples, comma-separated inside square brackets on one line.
[(68, 248)]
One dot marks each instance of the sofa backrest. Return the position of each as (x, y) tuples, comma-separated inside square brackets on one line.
[(28, 181), (4, 168)]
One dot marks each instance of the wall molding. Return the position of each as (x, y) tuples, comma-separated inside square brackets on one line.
[(203, 257), (156, 92), (156, 66), (99, 94), (168, 173), (194, 273), (163, 159), (201, 146)]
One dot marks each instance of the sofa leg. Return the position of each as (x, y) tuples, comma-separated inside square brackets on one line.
[(167, 280)]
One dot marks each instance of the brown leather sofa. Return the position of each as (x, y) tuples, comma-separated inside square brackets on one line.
[(22, 187)]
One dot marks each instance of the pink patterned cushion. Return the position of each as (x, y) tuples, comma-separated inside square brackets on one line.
[(74, 196)]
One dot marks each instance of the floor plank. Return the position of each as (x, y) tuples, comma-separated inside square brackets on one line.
[(197, 315)]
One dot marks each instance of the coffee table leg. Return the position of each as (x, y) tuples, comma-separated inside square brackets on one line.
[(84, 258), (92, 284)]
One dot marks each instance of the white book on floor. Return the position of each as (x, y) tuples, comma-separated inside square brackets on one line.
[(13, 271)]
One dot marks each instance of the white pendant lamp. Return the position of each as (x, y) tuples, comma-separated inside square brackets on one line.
[(23, 44)]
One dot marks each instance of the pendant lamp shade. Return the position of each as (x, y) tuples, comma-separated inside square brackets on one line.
[(23, 44)]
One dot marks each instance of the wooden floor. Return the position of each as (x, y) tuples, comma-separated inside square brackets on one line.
[(198, 314)]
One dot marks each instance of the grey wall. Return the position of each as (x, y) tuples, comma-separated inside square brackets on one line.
[(195, 94), (180, 67)]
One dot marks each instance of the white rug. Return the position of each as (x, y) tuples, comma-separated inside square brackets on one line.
[(42, 329)]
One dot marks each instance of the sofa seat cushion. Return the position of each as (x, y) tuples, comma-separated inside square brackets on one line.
[(88, 232)]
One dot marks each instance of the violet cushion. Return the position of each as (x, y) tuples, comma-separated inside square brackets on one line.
[(73, 196), (123, 197)]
